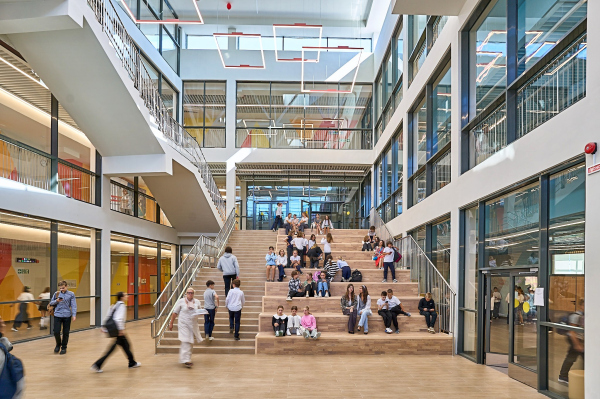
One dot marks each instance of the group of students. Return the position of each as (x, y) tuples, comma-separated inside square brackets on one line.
[(317, 284), (295, 225), (287, 325)]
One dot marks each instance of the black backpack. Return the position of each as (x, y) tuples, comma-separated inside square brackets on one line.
[(397, 255), (11, 374), (356, 276), (111, 325)]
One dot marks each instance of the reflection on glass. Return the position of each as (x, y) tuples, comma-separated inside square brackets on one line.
[(441, 172), (399, 43), (525, 322), (419, 188), (170, 50), (470, 333), (512, 228), (204, 107), (542, 25), (169, 96), (416, 26), (488, 57), (419, 133), (440, 247), (566, 240), (442, 112), (499, 323), (122, 263), (389, 170), (166, 255), (400, 155), (398, 200), (471, 257), (566, 350)]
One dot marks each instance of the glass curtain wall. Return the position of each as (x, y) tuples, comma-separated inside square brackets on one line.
[(279, 115), (468, 300), (440, 247), (204, 106)]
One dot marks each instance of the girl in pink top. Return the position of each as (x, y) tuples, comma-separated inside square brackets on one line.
[(308, 325)]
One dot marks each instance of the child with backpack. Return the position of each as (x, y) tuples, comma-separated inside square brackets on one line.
[(388, 262)]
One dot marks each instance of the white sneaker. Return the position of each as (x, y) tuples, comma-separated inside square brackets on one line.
[(388, 330), (384, 281), (211, 338), (306, 334), (327, 295), (395, 281), (96, 369), (135, 366), (288, 332), (14, 329), (289, 299), (277, 333), (298, 333), (307, 294), (319, 295), (318, 335)]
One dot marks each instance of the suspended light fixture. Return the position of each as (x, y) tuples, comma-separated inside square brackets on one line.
[(298, 25), (237, 35)]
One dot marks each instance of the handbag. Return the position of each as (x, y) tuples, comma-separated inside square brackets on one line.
[(110, 325), (50, 308)]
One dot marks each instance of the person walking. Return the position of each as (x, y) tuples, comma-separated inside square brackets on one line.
[(119, 313), (235, 302), (278, 217), (65, 311), (186, 310), (496, 300), (44, 298), (23, 317), (211, 303), (230, 267)]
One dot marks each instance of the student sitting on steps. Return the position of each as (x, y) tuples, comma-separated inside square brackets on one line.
[(366, 244), (384, 312), (427, 309), (295, 287), (310, 286), (281, 264), (395, 308), (279, 322), (293, 322), (323, 286), (309, 325), (330, 268), (295, 262), (271, 260)]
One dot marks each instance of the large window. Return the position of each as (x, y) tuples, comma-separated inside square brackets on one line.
[(420, 135), (512, 228), (440, 247), (279, 115), (442, 112), (204, 106), (470, 281)]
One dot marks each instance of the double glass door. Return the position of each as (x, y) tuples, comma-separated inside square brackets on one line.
[(511, 323), (264, 214)]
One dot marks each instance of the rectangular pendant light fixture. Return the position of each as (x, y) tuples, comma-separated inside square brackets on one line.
[(315, 28)]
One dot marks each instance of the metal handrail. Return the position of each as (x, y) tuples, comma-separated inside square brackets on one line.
[(132, 60), (424, 272), (199, 256)]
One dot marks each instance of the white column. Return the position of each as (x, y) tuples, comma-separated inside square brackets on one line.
[(230, 183), (105, 273), (243, 211)]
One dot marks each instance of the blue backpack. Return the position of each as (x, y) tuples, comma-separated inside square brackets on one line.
[(12, 373)]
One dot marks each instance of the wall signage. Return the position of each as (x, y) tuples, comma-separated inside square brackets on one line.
[(593, 169), (22, 271), (27, 260)]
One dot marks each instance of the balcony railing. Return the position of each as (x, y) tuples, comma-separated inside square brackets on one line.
[(131, 59), (437, 28), (25, 166), (299, 139), (553, 89), (488, 136), (418, 61), (75, 182), (121, 198)]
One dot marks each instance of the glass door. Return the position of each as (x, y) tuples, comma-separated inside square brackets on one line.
[(263, 215), (498, 297), (524, 341)]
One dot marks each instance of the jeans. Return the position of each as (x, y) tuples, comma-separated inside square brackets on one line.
[(346, 272), (367, 247), (430, 318), (389, 265), (302, 226), (351, 318), (209, 322), (234, 321), (364, 319), (227, 279), (65, 322), (496, 311), (281, 272), (312, 333), (387, 317), (572, 355), (124, 344), (322, 287), (293, 294), (314, 264), (288, 227), (276, 222)]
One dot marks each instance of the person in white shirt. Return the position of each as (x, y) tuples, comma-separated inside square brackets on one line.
[(281, 264), (300, 243), (186, 310), (388, 262), (384, 311), (119, 313), (23, 317), (293, 322), (326, 226), (303, 222), (496, 301), (295, 261), (278, 215), (326, 242), (395, 308), (44, 298), (287, 223), (235, 302)]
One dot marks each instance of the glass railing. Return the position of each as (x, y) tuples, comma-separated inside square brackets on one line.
[(300, 139), (77, 183), (488, 136), (398, 94), (147, 207), (418, 61), (553, 89), (25, 166), (131, 59), (437, 28)]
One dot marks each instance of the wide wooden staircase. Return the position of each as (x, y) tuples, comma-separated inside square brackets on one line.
[(262, 299)]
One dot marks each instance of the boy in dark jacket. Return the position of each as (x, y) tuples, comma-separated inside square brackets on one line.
[(314, 254), (427, 309), (279, 322)]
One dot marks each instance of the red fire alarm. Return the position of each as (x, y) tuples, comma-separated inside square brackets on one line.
[(590, 148), (229, 6)]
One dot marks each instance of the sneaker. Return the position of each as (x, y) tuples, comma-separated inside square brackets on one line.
[(188, 365), (319, 295), (563, 380), (277, 333), (237, 338), (397, 331), (135, 366), (388, 330), (231, 331), (211, 338), (14, 329), (288, 333), (306, 294), (432, 330), (317, 336), (63, 351), (95, 369), (327, 295), (408, 314), (29, 327), (395, 281), (298, 333), (289, 299), (384, 281), (306, 334)]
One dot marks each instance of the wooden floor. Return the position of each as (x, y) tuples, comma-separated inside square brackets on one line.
[(253, 376)]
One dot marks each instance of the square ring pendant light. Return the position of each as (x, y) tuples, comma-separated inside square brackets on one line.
[(172, 21), (350, 66), (296, 26), (236, 35)]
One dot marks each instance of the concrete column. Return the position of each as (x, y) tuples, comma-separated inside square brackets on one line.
[(230, 183)]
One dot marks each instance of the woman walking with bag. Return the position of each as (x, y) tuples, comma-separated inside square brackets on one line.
[(118, 313)]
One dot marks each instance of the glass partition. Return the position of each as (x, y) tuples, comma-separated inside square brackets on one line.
[(204, 106)]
